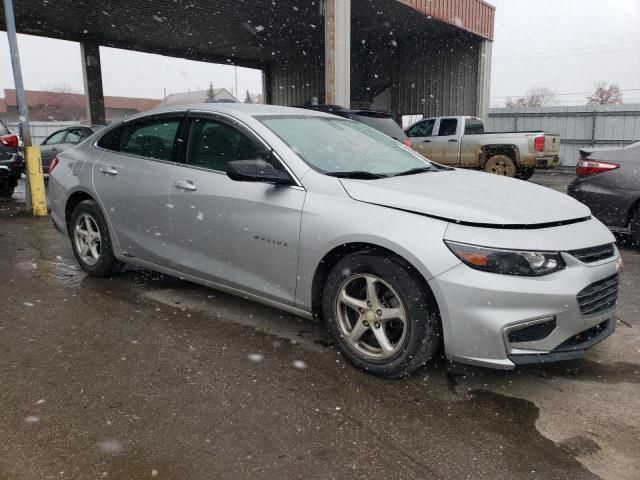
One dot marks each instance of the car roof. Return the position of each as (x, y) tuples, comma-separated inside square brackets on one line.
[(235, 109)]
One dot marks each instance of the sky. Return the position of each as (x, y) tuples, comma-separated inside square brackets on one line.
[(565, 45)]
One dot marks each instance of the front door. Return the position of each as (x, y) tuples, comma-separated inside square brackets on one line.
[(446, 145), (241, 234), (132, 179), (421, 135)]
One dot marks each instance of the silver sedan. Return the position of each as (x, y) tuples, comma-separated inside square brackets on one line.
[(320, 215)]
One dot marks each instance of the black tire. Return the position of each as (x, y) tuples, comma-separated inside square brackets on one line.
[(6, 192), (525, 173), (501, 165), (423, 329), (635, 228), (106, 264)]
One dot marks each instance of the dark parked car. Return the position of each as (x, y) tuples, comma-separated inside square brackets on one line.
[(608, 182), (383, 122), (11, 162), (61, 140)]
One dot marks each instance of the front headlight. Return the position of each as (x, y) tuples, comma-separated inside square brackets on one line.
[(507, 262)]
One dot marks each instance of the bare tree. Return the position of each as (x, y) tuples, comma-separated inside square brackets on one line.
[(63, 88), (536, 97), (605, 94)]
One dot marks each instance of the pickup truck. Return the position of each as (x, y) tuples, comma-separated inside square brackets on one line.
[(461, 142)]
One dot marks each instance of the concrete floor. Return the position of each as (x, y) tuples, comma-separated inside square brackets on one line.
[(146, 376)]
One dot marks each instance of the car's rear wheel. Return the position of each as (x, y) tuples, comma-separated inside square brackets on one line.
[(525, 173), (91, 241), (501, 165), (380, 315)]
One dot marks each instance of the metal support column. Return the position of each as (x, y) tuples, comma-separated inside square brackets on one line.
[(92, 76), (484, 79), (337, 38)]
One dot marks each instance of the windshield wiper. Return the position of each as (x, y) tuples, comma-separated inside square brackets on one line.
[(357, 175), (413, 171)]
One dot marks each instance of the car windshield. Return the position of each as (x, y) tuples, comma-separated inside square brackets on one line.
[(337, 146)]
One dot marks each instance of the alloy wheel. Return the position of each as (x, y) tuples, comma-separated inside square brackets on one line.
[(371, 316), (87, 239)]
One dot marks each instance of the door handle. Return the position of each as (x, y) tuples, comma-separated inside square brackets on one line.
[(426, 141), (186, 185), (453, 140), (109, 171)]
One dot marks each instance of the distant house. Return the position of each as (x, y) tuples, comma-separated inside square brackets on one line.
[(69, 107), (199, 96)]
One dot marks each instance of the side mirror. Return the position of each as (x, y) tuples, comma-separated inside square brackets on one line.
[(257, 171)]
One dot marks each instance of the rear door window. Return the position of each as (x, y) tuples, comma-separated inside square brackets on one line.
[(151, 138), (473, 126), (213, 144), (448, 127)]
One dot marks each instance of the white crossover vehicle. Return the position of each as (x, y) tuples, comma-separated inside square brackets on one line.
[(320, 215)]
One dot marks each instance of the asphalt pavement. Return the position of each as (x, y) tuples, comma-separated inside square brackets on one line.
[(147, 376)]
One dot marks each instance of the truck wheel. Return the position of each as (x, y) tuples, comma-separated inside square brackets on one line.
[(525, 173), (501, 165)]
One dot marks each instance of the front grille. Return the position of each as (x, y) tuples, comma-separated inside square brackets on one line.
[(599, 296), (585, 337), (594, 254)]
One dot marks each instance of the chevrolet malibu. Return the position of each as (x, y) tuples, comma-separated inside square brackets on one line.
[(322, 216)]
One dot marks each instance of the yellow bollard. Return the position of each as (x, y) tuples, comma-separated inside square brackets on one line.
[(36, 181)]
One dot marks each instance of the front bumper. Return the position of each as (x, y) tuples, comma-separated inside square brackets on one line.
[(480, 309)]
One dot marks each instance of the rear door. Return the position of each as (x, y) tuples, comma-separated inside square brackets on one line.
[(421, 136), (132, 178), (445, 144), (240, 234)]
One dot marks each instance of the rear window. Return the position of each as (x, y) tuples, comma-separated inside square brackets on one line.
[(473, 126), (381, 122)]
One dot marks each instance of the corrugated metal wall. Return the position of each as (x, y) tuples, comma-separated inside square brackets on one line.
[(476, 16), (597, 126), (439, 76), (296, 82)]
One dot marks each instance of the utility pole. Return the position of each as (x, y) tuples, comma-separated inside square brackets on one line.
[(23, 112), (35, 194)]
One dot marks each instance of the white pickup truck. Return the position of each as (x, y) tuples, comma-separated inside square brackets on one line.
[(461, 142)]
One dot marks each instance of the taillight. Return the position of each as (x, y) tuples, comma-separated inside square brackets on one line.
[(538, 144), (54, 163), (10, 141), (408, 143), (591, 167)]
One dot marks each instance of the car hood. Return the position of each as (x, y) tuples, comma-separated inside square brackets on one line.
[(468, 197)]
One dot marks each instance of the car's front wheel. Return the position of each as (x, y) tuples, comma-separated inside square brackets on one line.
[(91, 241), (380, 315)]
